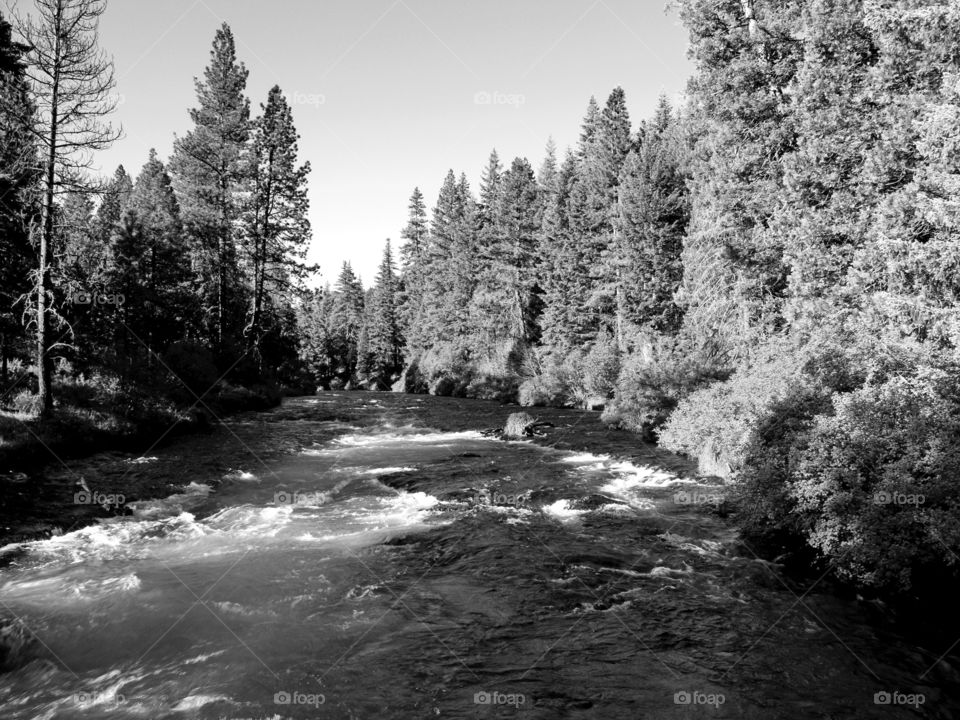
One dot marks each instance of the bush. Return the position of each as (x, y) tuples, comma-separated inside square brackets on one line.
[(873, 485), (554, 382), (25, 403), (601, 367), (503, 388), (654, 379)]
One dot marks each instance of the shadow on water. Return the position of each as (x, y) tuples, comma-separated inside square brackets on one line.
[(373, 556)]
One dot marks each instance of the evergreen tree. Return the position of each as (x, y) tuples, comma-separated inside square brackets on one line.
[(747, 56), (278, 231), (150, 264), (559, 264), (345, 321), (413, 257), (654, 213), (71, 82), (384, 340), (210, 176)]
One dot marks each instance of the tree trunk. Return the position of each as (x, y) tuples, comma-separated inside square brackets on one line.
[(45, 391), (750, 17)]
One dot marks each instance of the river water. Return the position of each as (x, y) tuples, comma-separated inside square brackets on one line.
[(359, 555)]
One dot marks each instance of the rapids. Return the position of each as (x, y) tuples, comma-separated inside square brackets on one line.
[(359, 555)]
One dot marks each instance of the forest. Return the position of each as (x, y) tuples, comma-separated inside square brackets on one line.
[(765, 277)]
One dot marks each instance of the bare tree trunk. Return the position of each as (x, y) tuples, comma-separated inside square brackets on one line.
[(45, 390), (750, 17)]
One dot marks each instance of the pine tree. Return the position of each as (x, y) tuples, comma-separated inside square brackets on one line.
[(345, 321), (654, 214), (151, 262), (71, 82), (277, 229), (413, 258), (210, 175), (450, 267), (383, 329), (559, 267), (747, 56)]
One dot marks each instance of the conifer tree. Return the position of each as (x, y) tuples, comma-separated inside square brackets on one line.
[(383, 329), (210, 175), (277, 233), (71, 82), (413, 257)]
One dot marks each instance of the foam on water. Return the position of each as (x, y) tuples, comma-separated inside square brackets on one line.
[(190, 497), (562, 510), (411, 435)]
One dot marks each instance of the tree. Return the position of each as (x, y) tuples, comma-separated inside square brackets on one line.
[(18, 175), (559, 261), (413, 254), (344, 318), (71, 81), (507, 311), (742, 122), (150, 264), (384, 340), (210, 176), (654, 214), (450, 267), (278, 231)]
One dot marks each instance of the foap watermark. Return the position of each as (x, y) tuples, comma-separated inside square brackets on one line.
[(898, 698), (82, 297), (293, 497), (485, 97), (314, 100), (697, 697), (692, 497), (485, 497), (96, 697), (485, 697), (92, 497), (285, 697), (892, 497)]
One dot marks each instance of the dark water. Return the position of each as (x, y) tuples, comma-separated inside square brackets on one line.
[(373, 556)]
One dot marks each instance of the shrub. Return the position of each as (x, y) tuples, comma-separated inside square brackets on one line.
[(875, 483), (654, 379), (554, 382), (601, 366), (502, 388)]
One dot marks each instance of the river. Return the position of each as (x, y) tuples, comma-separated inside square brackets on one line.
[(371, 555)]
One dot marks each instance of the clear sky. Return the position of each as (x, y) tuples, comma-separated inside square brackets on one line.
[(390, 94)]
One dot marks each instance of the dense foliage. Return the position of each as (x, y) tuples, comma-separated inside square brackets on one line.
[(765, 279), (181, 280)]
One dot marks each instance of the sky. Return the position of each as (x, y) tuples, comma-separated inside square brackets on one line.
[(390, 94)]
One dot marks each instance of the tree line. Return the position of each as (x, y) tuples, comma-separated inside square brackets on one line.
[(194, 266), (766, 278)]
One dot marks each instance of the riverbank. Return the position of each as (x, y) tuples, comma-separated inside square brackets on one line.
[(35, 504)]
